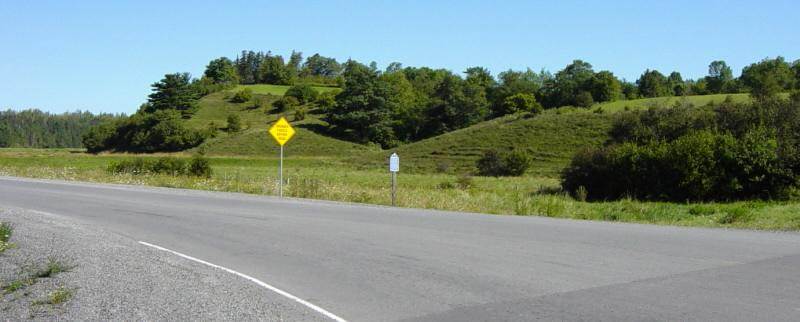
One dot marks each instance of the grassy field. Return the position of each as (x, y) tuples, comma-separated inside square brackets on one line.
[(550, 138), (338, 179), (435, 171), (279, 90)]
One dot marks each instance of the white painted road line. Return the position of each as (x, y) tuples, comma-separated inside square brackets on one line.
[(252, 279)]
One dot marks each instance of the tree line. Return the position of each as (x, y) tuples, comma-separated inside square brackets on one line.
[(403, 104), (36, 129)]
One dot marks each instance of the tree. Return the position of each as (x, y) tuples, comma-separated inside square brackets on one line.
[(234, 123), (317, 65), (563, 89), (719, 75), (363, 113), (605, 87), (796, 69), (768, 77), (455, 104), (174, 92), (273, 71), (511, 83), (304, 93), (285, 103), (630, 90), (247, 66), (521, 102), (676, 84), (584, 99), (653, 84), (242, 96), (222, 71)]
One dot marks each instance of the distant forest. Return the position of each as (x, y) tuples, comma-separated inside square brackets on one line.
[(36, 129)]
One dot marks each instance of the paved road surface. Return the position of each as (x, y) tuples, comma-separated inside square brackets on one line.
[(367, 263)]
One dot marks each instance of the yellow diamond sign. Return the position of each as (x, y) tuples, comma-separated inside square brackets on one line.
[(282, 131)]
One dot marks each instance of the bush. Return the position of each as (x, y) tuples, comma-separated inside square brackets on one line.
[(242, 96), (326, 101), (98, 138), (584, 99), (197, 166), (200, 166), (304, 93), (300, 114), (234, 123), (703, 165), (285, 103), (520, 102), (161, 130), (496, 164)]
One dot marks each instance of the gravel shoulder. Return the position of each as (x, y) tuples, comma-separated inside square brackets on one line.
[(112, 277)]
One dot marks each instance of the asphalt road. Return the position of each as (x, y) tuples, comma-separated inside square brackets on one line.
[(366, 263)]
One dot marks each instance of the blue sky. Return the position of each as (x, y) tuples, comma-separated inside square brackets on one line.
[(103, 55)]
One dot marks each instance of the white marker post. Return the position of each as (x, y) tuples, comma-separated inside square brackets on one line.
[(394, 168)]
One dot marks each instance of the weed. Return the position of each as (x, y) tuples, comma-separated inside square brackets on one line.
[(60, 295), (465, 182), (6, 229), (446, 185), (18, 285), (52, 268)]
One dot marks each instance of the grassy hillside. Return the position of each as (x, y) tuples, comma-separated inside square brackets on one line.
[(645, 103), (266, 89), (254, 140), (551, 138)]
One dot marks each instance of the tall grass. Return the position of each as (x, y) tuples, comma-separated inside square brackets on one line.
[(334, 179)]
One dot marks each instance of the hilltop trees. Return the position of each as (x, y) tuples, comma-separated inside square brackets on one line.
[(719, 76), (768, 77), (653, 84), (173, 92), (157, 126), (222, 71)]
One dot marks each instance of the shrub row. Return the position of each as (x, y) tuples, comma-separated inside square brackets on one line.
[(718, 152), (197, 166)]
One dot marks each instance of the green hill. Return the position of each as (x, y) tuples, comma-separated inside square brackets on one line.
[(254, 140), (551, 138)]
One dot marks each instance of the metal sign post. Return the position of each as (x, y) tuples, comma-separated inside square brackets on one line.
[(281, 131), (394, 168)]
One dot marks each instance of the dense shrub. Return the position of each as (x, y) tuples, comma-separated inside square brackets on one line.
[(497, 164), (198, 166), (161, 130), (725, 152), (584, 99), (326, 101), (234, 123), (304, 93), (242, 96), (285, 103), (300, 114), (521, 102)]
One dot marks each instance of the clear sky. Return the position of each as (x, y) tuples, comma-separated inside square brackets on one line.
[(103, 55)]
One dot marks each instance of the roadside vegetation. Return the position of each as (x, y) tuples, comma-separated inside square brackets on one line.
[(5, 236), (337, 179), (15, 286), (468, 141)]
